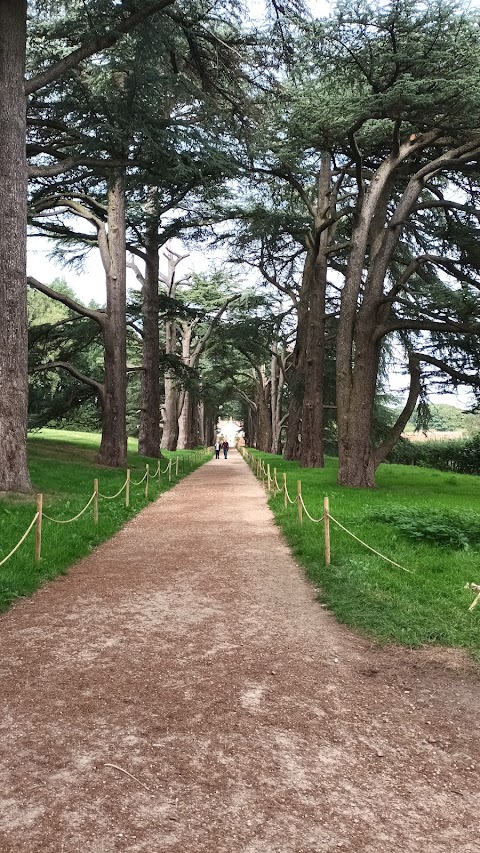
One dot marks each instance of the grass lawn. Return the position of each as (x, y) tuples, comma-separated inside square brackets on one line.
[(425, 520), (63, 467)]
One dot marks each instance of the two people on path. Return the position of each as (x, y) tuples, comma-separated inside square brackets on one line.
[(224, 445)]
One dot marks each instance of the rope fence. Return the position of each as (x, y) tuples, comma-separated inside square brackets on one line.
[(172, 469), (22, 540), (265, 474), (69, 520)]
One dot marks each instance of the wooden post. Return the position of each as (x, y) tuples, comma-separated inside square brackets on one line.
[(299, 501), (326, 520), (159, 470), (95, 502), (176, 467), (284, 490), (127, 489), (38, 531), (170, 471), (269, 479), (147, 477), (274, 482)]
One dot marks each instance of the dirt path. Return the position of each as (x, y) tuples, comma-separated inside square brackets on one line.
[(189, 652)]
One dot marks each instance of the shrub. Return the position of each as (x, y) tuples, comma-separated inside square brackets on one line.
[(460, 456)]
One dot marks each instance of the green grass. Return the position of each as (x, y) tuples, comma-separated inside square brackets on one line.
[(425, 520), (63, 467)]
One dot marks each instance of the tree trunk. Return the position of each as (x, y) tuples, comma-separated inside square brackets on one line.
[(202, 425), (149, 432), (184, 401), (14, 475), (311, 451), (170, 419), (264, 417), (358, 346), (193, 439), (184, 422), (113, 447), (251, 428), (209, 427), (296, 376), (355, 449)]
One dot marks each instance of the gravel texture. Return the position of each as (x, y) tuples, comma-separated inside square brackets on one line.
[(181, 690)]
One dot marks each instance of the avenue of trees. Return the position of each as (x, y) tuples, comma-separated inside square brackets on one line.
[(328, 168)]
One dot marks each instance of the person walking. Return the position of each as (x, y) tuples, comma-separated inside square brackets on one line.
[(217, 449), (225, 446)]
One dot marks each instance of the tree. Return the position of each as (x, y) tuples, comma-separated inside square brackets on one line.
[(13, 190), (379, 93)]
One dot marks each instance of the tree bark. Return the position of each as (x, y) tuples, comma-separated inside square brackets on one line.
[(277, 379), (296, 375), (184, 401), (113, 447), (170, 420), (170, 408), (264, 416), (311, 451), (149, 432), (14, 475), (202, 426)]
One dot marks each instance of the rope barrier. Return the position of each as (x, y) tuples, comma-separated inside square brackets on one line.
[(40, 515), (261, 471), (133, 483), (288, 496), (111, 497), (69, 520), (368, 546), (315, 520), (17, 546)]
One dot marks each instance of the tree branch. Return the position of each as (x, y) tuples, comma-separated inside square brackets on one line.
[(95, 45), (464, 378), (385, 447), (98, 316), (77, 374)]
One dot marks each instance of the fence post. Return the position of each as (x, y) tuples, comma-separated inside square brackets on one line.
[(127, 489), (299, 501), (38, 531), (95, 502), (147, 475), (284, 490), (269, 479), (274, 482), (176, 467), (326, 519), (170, 471)]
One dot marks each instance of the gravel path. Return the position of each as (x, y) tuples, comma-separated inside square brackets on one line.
[(181, 690)]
